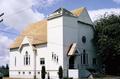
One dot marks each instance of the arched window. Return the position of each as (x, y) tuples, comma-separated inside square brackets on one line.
[(84, 39), (84, 57), (26, 59)]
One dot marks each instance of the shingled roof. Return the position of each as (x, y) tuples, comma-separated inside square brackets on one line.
[(37, 32)]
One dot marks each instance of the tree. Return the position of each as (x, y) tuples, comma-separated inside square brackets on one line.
[(43, 72), (7, 66), (3, 67), (107, 40), (60, 72)]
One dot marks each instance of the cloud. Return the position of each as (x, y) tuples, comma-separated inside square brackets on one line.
[(18, 13), (117, 1), (97, 14), (40, 5), (4, 51)]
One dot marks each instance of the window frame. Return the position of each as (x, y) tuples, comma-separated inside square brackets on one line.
[(42, 61), (84, 39), (26, 59)]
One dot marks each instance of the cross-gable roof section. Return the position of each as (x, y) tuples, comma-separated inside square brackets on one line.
[(36, 33), (82, 15)]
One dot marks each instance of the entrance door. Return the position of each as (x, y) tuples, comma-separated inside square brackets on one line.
[(71, 62)]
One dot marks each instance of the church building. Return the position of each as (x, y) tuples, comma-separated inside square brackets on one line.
[(64, 38)]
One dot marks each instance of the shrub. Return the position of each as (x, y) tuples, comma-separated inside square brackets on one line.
[(60, 72), (43, 72)]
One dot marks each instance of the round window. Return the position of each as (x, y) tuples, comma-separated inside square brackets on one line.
[(84, 39)]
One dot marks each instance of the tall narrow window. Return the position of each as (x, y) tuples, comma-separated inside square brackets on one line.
[(94, 61), (84, 57), (81, 58), (26, 59)]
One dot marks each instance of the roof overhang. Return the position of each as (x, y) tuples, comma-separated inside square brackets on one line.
[(72, 49)]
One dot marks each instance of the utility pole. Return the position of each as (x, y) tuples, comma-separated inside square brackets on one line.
[(0, 16)]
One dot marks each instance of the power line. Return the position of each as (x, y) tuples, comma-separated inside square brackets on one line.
[(0, 16), (17, 12)]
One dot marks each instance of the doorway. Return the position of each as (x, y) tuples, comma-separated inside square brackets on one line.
[(71, 62)]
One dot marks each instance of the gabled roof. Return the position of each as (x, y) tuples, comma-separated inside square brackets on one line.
[(83, 16), (72, 49), (37, 34)]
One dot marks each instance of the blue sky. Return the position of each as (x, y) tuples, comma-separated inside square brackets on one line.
[(89, 4), (20, 13)]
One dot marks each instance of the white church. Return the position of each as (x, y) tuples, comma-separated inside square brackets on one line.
[(64, 38)]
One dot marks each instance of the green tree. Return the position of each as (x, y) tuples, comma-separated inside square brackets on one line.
[(43, 72), (107, 40), (60, 72), (7, 66)]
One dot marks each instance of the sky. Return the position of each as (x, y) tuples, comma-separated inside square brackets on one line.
[(19, 13)]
